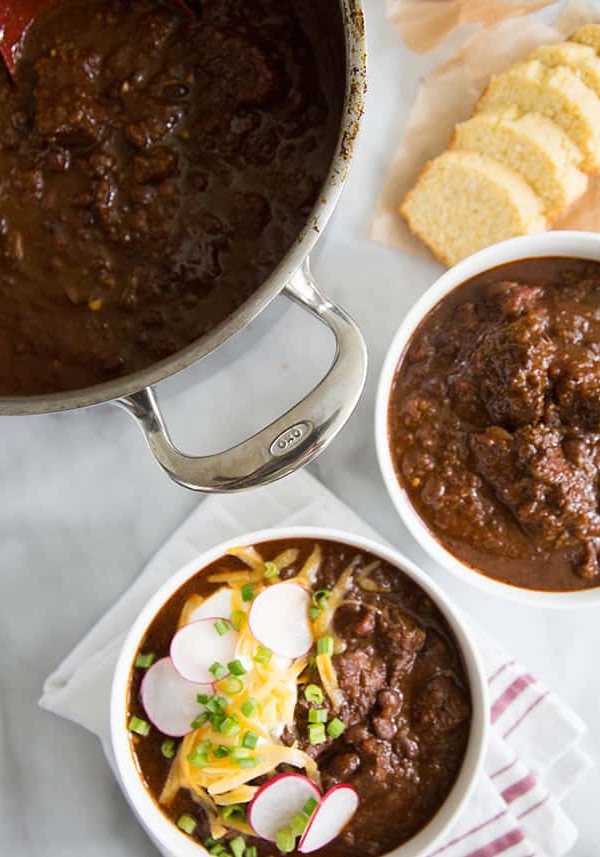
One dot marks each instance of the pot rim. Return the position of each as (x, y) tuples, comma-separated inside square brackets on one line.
[(161, 830), (564, 244), (352, 110)]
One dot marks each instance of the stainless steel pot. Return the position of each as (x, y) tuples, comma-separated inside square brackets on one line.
[(295, 438)]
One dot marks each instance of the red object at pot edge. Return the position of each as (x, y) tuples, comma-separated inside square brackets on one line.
[(17, 15)]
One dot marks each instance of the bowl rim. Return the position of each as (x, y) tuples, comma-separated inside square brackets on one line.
[(565, 244), (161, 830)]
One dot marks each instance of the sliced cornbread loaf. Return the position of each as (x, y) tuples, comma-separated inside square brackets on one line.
[(588, 35), (532, 145), (579, 58), (464, 201), (557, 93)]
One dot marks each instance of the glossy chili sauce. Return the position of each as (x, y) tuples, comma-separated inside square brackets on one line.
[(154, 170), (494, 423), (407, 704)]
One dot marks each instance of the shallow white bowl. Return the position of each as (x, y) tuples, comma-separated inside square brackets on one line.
[(575, 245), (163, 832)]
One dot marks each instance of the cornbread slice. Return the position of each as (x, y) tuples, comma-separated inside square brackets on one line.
[(557, 93), (588, 35), (532, 145), (579, 58), (464, 201)]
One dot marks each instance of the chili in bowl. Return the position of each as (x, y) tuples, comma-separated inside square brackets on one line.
[(487, 419), (298, 691)]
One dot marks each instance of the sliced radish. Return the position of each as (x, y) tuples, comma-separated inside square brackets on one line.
[(197, 646), (329, 819), (218, 604), (275, 803), (278, 619), (168, 699)]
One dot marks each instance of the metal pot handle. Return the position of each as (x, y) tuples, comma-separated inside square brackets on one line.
[(292, 440)]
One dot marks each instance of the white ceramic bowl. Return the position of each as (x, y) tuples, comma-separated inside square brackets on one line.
[(576, 245), (163, 832)]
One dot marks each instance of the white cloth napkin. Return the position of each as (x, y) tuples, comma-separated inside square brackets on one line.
[(533, 759)]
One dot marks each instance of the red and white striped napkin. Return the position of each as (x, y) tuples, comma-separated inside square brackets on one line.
[(533, 759)]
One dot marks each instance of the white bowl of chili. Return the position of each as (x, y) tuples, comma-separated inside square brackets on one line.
[(546, 268), (357, 693)]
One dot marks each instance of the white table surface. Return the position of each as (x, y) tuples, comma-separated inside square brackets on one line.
[(84, 506)]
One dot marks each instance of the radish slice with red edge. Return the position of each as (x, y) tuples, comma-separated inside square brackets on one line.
[(197, 646), (169, 700), (218, 604), (278, 619), (277, 801), (333, 813)]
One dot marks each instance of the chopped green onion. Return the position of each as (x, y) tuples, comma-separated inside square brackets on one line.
[(335, 727), (313, 693), (210, 842), (216, 721), (198, 758), (250, 740), (238, 753), (314, 612), (247, 592), (236, 668), (218, 670), (298, 824), (285, 839), (221, 751), (325, 646), (204, 745), (251, 851), (317, 715), (316, 733), (218, 850), (247, 763), (230, 726), (263, 655), (319, 598), (203, 698), (221, 627), (139, 726), (144, 661), (232, 810), (232, 685), (249, 707), (312, 661), (271, 570), (216, 704), (200, 720), (187, 824), (310, 806), (237, 619), (238, 846), (167, 748)]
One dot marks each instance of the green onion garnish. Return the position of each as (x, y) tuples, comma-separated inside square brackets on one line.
[(316, 733), (221, 627), (187, 824), (319, 598), (285, 840), (271, 570), (247, 763), (200, 720), (335, 727), (139, 726), (238, 753), (247, 592), (236, 667), (216, 721), (263, 655), (238, 846), (325, 646), (144, 661), (237, 619), (203, 698), (250, 740), (221, 751), (249, 707), (198, 760), (310, 806), (234, 809), (298, 824), (218, 670), (232, 685), (251, 851), (230, 726), (167, 748), (218, 850), (313, 693), (317, 715), (314, 612), (216, 704)]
